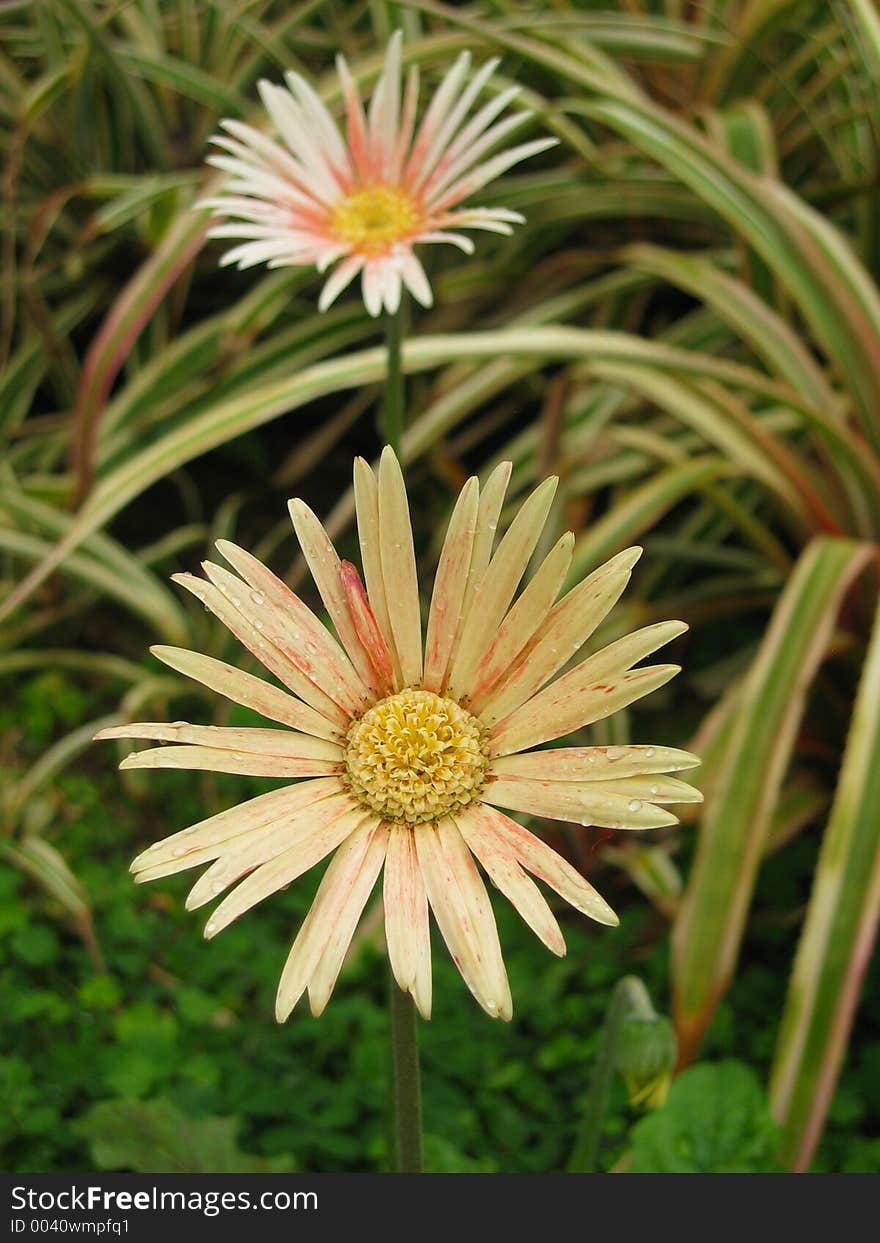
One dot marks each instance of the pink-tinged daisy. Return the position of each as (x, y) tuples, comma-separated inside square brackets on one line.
[(402, 756), (365, 200)]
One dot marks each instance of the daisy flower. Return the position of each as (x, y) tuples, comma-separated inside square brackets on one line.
[(365, 200), (405, 756)]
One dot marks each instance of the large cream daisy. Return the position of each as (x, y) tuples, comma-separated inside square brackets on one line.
[(402, 756), (367, 199)]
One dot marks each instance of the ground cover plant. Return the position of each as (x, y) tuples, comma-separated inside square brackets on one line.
[(685, 330)]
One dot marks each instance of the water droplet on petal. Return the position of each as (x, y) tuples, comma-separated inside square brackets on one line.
[(209, 928), (634, 804), (654, 789), (258, 597), (650, 753), (178, 852)]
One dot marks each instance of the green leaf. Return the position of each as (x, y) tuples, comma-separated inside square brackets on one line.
[(155, 1137), (715, 1121), (837, 937)]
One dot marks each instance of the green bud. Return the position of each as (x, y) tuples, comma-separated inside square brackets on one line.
[(645, 1055)]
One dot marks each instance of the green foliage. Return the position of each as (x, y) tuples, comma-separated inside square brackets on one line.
[(715, 1121), (154, 1137), (684, 330)]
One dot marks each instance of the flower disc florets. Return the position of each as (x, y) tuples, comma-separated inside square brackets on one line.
[(415, 756)]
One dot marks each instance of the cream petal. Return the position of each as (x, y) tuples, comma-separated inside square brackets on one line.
[(449, 586), (488, 513), (458, 163), (495, 590), (329, 965), (591, 803), (247, 690), (593, 763), (318, 654), (252, 741), (371, 285), (324, 564), (407, 932), (463, 912), (250, 850), (368, 630), (215, 760), (384, 114), (283, 164), (337, 890), (566, 628), (317, 175), (324, 125), (399, 567), (217, 831), (575, 700), (539, 859), (266, 652), (523, 620), (332, 821), (356, 126), (366, 498), (506, 874), (467, 138), (407, 121)]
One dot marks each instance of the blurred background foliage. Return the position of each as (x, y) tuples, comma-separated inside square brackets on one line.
[(687, 331)]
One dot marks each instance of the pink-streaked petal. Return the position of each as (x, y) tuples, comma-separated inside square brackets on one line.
[(288, 117), (278, 612), (384, 115), (468, 137), (413, 275), (508, 876), (338, 891), (366, 498), (399, 567), (466, 156), (438, 109), (371, 285), (495, 590), (493, 168), (407, 932), (566, 628), (325, 127), (331, 822), (447, 131), (577, 699), (463, 912), (274, 156), (544, 862), (249, 691), (323, 562), (437, 236), (340, 279), (355, 122), (368, 630), (209, 838), (591, 803), (258, 644), (407, 121), (449, 586), (329, 965), (217, 760), (252, 741), (594, 763), (524, 619)]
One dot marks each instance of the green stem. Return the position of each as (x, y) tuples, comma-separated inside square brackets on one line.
[(629, 1000), (392, 418), (406, 1087)]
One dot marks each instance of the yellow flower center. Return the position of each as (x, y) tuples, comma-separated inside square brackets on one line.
[(373, 218), (415, 756)]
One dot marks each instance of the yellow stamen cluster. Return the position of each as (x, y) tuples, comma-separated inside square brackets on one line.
[(415, 756), (372, 219)]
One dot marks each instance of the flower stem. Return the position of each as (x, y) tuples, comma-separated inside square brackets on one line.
[(406, 1087), (392, 418), (629, 998)]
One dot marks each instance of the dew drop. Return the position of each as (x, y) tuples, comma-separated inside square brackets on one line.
[(654, 789), (634, 804), (591, 759), (178, 852), (258, 597), (235, 602), (209, 928), (650, 753), (258, 625)]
